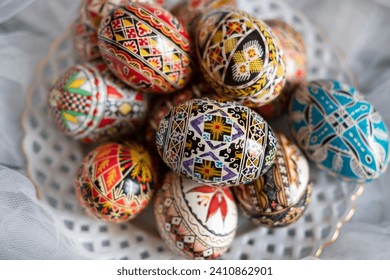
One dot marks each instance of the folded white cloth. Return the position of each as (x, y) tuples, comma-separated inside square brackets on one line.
[(27, 229)]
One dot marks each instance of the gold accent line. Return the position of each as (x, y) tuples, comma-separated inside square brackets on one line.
[(32, 87), (347, 218)]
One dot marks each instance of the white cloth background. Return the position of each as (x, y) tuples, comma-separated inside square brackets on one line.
[(360, 28)]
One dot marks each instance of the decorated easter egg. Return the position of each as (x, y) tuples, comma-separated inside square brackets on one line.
[(294, 50), (95, 10), (189, 11), (276, 108), (161, 106), (216, 143), (280, 196), (146, 47), (240, 57), (115, 181), (296, 67), (88, 103), (339, 130), (85, 39), (195, 220), (86, 25)]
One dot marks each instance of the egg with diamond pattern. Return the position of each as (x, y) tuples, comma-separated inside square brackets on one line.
[(239, 56)]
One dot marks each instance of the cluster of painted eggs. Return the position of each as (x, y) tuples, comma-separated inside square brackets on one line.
[(214, 76)]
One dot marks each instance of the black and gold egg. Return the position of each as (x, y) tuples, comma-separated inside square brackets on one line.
[(279, 197), (240, 57)]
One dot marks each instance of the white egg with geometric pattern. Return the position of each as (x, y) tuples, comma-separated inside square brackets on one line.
[(196, 221)]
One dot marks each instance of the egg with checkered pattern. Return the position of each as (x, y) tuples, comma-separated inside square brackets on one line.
[(88, 103), (340, 130)]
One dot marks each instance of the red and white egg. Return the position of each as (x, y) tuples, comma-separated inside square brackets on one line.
[(194, 220)]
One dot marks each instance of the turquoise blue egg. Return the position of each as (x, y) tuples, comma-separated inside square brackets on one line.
[(339, 130)]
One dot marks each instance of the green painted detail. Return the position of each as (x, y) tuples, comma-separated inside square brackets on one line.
[(75, 90), (79, 91)]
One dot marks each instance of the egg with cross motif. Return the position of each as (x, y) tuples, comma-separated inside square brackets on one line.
[(146, 47), (340, 130), (216, 143), (116, 181), (196, 221)]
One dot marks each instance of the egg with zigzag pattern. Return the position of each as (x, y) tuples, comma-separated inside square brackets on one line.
[(146, 47)]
